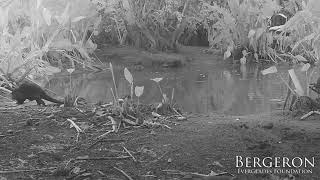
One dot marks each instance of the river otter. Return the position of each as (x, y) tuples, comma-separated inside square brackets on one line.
[(32, 92)]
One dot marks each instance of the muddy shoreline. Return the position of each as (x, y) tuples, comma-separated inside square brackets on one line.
[(38, 143), (34, 137)]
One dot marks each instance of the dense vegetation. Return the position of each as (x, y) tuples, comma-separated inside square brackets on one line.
[(228, 25), (35, 34)]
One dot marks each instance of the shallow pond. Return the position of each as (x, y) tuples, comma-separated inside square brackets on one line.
[(198, 87)]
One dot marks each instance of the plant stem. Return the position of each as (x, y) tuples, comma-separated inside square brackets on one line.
[(131, 93), (160, 90), (172, 95), (293, 92), (114, 84), (70, 81), (307, 83), (114, 98)]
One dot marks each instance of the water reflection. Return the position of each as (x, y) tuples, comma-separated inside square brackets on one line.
[(199, 88)]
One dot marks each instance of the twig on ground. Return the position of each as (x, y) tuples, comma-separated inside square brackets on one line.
[(166, 126), (128, 132), (43, 110), (131, 116), (309, 114), (79, 110), (149, 175), (128, 121), (103, 158), (103, 135), (177, 112), (134, 159), (124, 173), (6, 90), (79, 130)]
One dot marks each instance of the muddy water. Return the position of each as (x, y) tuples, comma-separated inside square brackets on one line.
[(198, 88)]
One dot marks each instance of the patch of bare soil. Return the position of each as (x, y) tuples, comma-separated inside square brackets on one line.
[(39, 143)]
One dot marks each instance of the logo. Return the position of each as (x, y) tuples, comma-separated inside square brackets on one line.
[(275, 165)]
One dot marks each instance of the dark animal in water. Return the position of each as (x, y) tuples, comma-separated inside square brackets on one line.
[(32, 92)]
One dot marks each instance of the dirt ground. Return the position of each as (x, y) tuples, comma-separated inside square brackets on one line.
[(38, 143)]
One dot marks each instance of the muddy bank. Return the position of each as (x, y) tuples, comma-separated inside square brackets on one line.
[(34, 138), (144, 59)]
